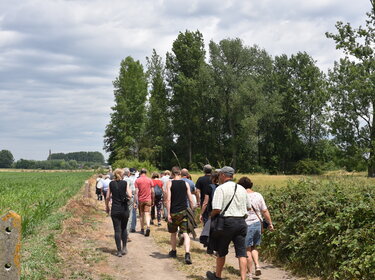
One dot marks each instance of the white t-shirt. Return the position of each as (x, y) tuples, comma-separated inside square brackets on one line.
[(257, 201), (106, 184), (99, 184)]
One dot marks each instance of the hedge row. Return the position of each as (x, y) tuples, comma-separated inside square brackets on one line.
[(325, 228)]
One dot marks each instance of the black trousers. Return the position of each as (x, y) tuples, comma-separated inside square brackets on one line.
[(120, 222)]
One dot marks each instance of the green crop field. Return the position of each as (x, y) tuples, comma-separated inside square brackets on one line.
[(34, 195)]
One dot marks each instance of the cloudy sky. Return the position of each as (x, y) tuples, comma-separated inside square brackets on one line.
[(58, 58)]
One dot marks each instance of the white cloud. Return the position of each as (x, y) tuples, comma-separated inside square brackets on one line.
[(58, 58)]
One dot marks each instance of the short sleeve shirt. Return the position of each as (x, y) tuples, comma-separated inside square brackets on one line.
[(203, 184), (223, 195), (144, 185), (191, 184), (106, 184), (257, 201)]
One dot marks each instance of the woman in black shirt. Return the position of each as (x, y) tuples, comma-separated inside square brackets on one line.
[(120, 194)]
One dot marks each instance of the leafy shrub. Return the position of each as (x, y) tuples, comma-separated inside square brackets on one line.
[(134, 164), (323, 228), (308, 167)]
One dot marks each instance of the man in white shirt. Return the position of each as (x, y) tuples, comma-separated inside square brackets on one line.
[(235, 227)]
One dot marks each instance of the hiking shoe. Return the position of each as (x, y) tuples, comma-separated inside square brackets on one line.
[(132, 230), (258, 271), (119, 254), (187, 258), (172, 253), (159, 224), (212, 276), (124, 251), (151, 222), (142, 231), (147, 232)]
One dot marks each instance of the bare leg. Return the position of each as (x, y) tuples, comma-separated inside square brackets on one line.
[(173, 241), (220, 261), (255, 255), (242, 264), (187, 242), (148, 218), (249, 260), (142, 219)]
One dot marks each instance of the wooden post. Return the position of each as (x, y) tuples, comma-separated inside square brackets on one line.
[(10, 246)]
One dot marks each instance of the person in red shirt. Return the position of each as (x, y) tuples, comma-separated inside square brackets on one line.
[(145, 196)]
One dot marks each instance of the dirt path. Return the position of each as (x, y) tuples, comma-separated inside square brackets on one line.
[(143, 261), (87, 249)]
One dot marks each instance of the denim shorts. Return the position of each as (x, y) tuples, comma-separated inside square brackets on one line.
[(254, 235)]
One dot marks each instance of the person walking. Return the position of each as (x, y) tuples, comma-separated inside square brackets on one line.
[(120, 194), (185, 175), (177, 193), (202, 185), (99, 186), (165, 177), (145, 197), (130, 185), (133, 219), (158, 191), (254, 226), (105, 184), (232, 197)]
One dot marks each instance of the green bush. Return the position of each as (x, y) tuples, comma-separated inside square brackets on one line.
[(323, 228), (308, 167), (134, 164)]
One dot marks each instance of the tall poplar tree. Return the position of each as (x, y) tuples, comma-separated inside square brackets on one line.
[(158, 129), (124, 133), (184, 65)]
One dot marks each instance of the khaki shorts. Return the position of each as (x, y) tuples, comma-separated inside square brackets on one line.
[(145, 206)]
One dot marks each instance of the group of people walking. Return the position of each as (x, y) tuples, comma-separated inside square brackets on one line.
[(173, 196)]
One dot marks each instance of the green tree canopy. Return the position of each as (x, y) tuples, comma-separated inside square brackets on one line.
[(352, 86), (123, 135), (6, 159)]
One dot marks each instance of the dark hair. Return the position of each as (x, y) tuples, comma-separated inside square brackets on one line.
[(245, 182), (214, 177), (154, 175), (176, 170)]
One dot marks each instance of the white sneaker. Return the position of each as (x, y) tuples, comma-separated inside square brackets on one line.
[(249, 276)]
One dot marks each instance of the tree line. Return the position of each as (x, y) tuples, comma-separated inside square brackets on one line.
[(79, 157), (238, 105), (75, 160)]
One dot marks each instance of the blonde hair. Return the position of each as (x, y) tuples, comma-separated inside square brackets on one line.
[(119, 174)]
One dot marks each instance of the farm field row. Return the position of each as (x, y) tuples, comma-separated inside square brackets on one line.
[(35, 195)]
